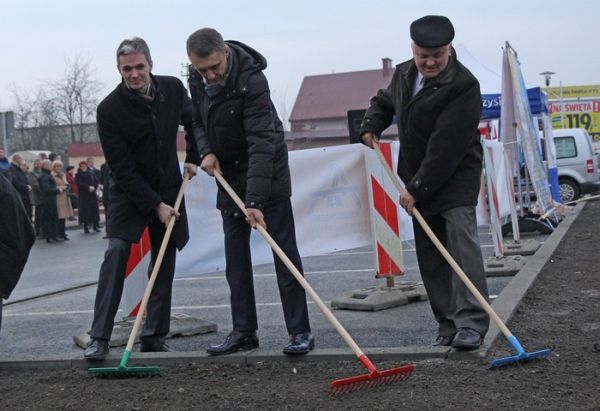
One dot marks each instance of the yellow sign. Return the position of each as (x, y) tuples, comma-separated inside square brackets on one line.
[(554, 93), (580, 109), (589, 121)]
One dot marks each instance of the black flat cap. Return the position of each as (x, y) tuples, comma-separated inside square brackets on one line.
[(432, 31)]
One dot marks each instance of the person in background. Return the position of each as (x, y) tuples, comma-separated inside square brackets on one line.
[(239, 134), (91, 166), (49, 193), (437, 103), (4, 163), (89, 213), (73, 188), (20, 182), (105, 173), (30, 177), (33, 177), (16, 237), (63, 204)]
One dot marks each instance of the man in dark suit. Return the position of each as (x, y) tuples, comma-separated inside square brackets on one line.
[(438, 106), (138, 124)]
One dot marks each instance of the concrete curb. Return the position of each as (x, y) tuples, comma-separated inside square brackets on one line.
[(505, 306), (509, 299)]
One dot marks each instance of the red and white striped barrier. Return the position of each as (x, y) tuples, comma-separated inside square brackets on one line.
[(136, 276), (385, 217)]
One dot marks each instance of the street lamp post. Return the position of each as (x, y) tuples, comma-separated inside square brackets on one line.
[(547, 77)]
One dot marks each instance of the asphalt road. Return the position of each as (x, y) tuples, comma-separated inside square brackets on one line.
[(54, 301)]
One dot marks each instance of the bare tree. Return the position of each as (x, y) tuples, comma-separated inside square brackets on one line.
[(282, 107), (24, 108), (76, 96), (44, 120)]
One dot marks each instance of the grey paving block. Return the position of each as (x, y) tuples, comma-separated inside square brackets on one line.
[(521, 247), (381, 297), (503, 266), (181, 325)]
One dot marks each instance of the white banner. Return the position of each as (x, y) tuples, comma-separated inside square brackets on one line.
[(330, 203), (329, 200)]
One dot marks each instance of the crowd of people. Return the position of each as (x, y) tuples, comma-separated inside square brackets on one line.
[(51, 193)]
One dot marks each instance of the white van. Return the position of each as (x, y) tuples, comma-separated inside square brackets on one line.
[(577, 164)]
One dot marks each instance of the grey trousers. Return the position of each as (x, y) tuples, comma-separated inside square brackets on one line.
[(453, 305), (110, 289)]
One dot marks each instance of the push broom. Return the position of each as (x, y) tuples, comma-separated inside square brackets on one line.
[(374, 377), (522, 355), (140, 371)]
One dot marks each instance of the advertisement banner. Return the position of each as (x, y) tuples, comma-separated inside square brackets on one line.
[(584, 113)]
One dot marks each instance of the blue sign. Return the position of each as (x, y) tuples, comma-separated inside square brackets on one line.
[(538, 103)]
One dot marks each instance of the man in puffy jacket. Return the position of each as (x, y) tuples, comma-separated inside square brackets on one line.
[(438, 105), (239, 134)]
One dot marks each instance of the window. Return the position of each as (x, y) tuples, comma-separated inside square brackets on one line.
[(565, 147)]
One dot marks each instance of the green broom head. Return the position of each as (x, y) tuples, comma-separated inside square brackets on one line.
[(123, 371)]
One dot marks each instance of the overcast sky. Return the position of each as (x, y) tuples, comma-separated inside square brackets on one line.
[(298, 38)]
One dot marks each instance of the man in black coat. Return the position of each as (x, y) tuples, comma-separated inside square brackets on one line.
[(16, 239), (239, 134), (49, 212), (20, 182), (438, 105), (138, 124)]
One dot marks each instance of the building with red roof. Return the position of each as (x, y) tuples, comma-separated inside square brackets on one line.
[(320, 114)]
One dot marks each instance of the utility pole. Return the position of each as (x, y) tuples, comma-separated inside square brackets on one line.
[(547, 77), (6, 128)]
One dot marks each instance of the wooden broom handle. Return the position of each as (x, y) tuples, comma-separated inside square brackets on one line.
[(488, 308), (155, 268), (326, 311)]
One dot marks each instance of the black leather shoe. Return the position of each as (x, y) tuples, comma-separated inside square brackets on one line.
[(86, 229), (155, 347), (51, 240), (96, 350), (467, 339), (299, 344), (235, 341), (443, 341)]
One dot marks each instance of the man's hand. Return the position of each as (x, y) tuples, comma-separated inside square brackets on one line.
[(28, 188), (91, 188), (190, 170), (255, 216), (368, 138), (210, 163), (407, 201), (164, 213)]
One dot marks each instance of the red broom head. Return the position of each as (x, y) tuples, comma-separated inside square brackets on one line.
[(371, 380)]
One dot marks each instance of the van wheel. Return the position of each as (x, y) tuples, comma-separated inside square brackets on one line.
[(568, 190)]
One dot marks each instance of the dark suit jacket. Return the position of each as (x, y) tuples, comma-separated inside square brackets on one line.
[(440, 152), (139, 140), (16, 237)]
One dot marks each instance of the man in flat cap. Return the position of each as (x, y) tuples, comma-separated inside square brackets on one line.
[(438, 104)]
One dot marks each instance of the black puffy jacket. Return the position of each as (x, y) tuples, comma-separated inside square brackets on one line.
[(241, 127)]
